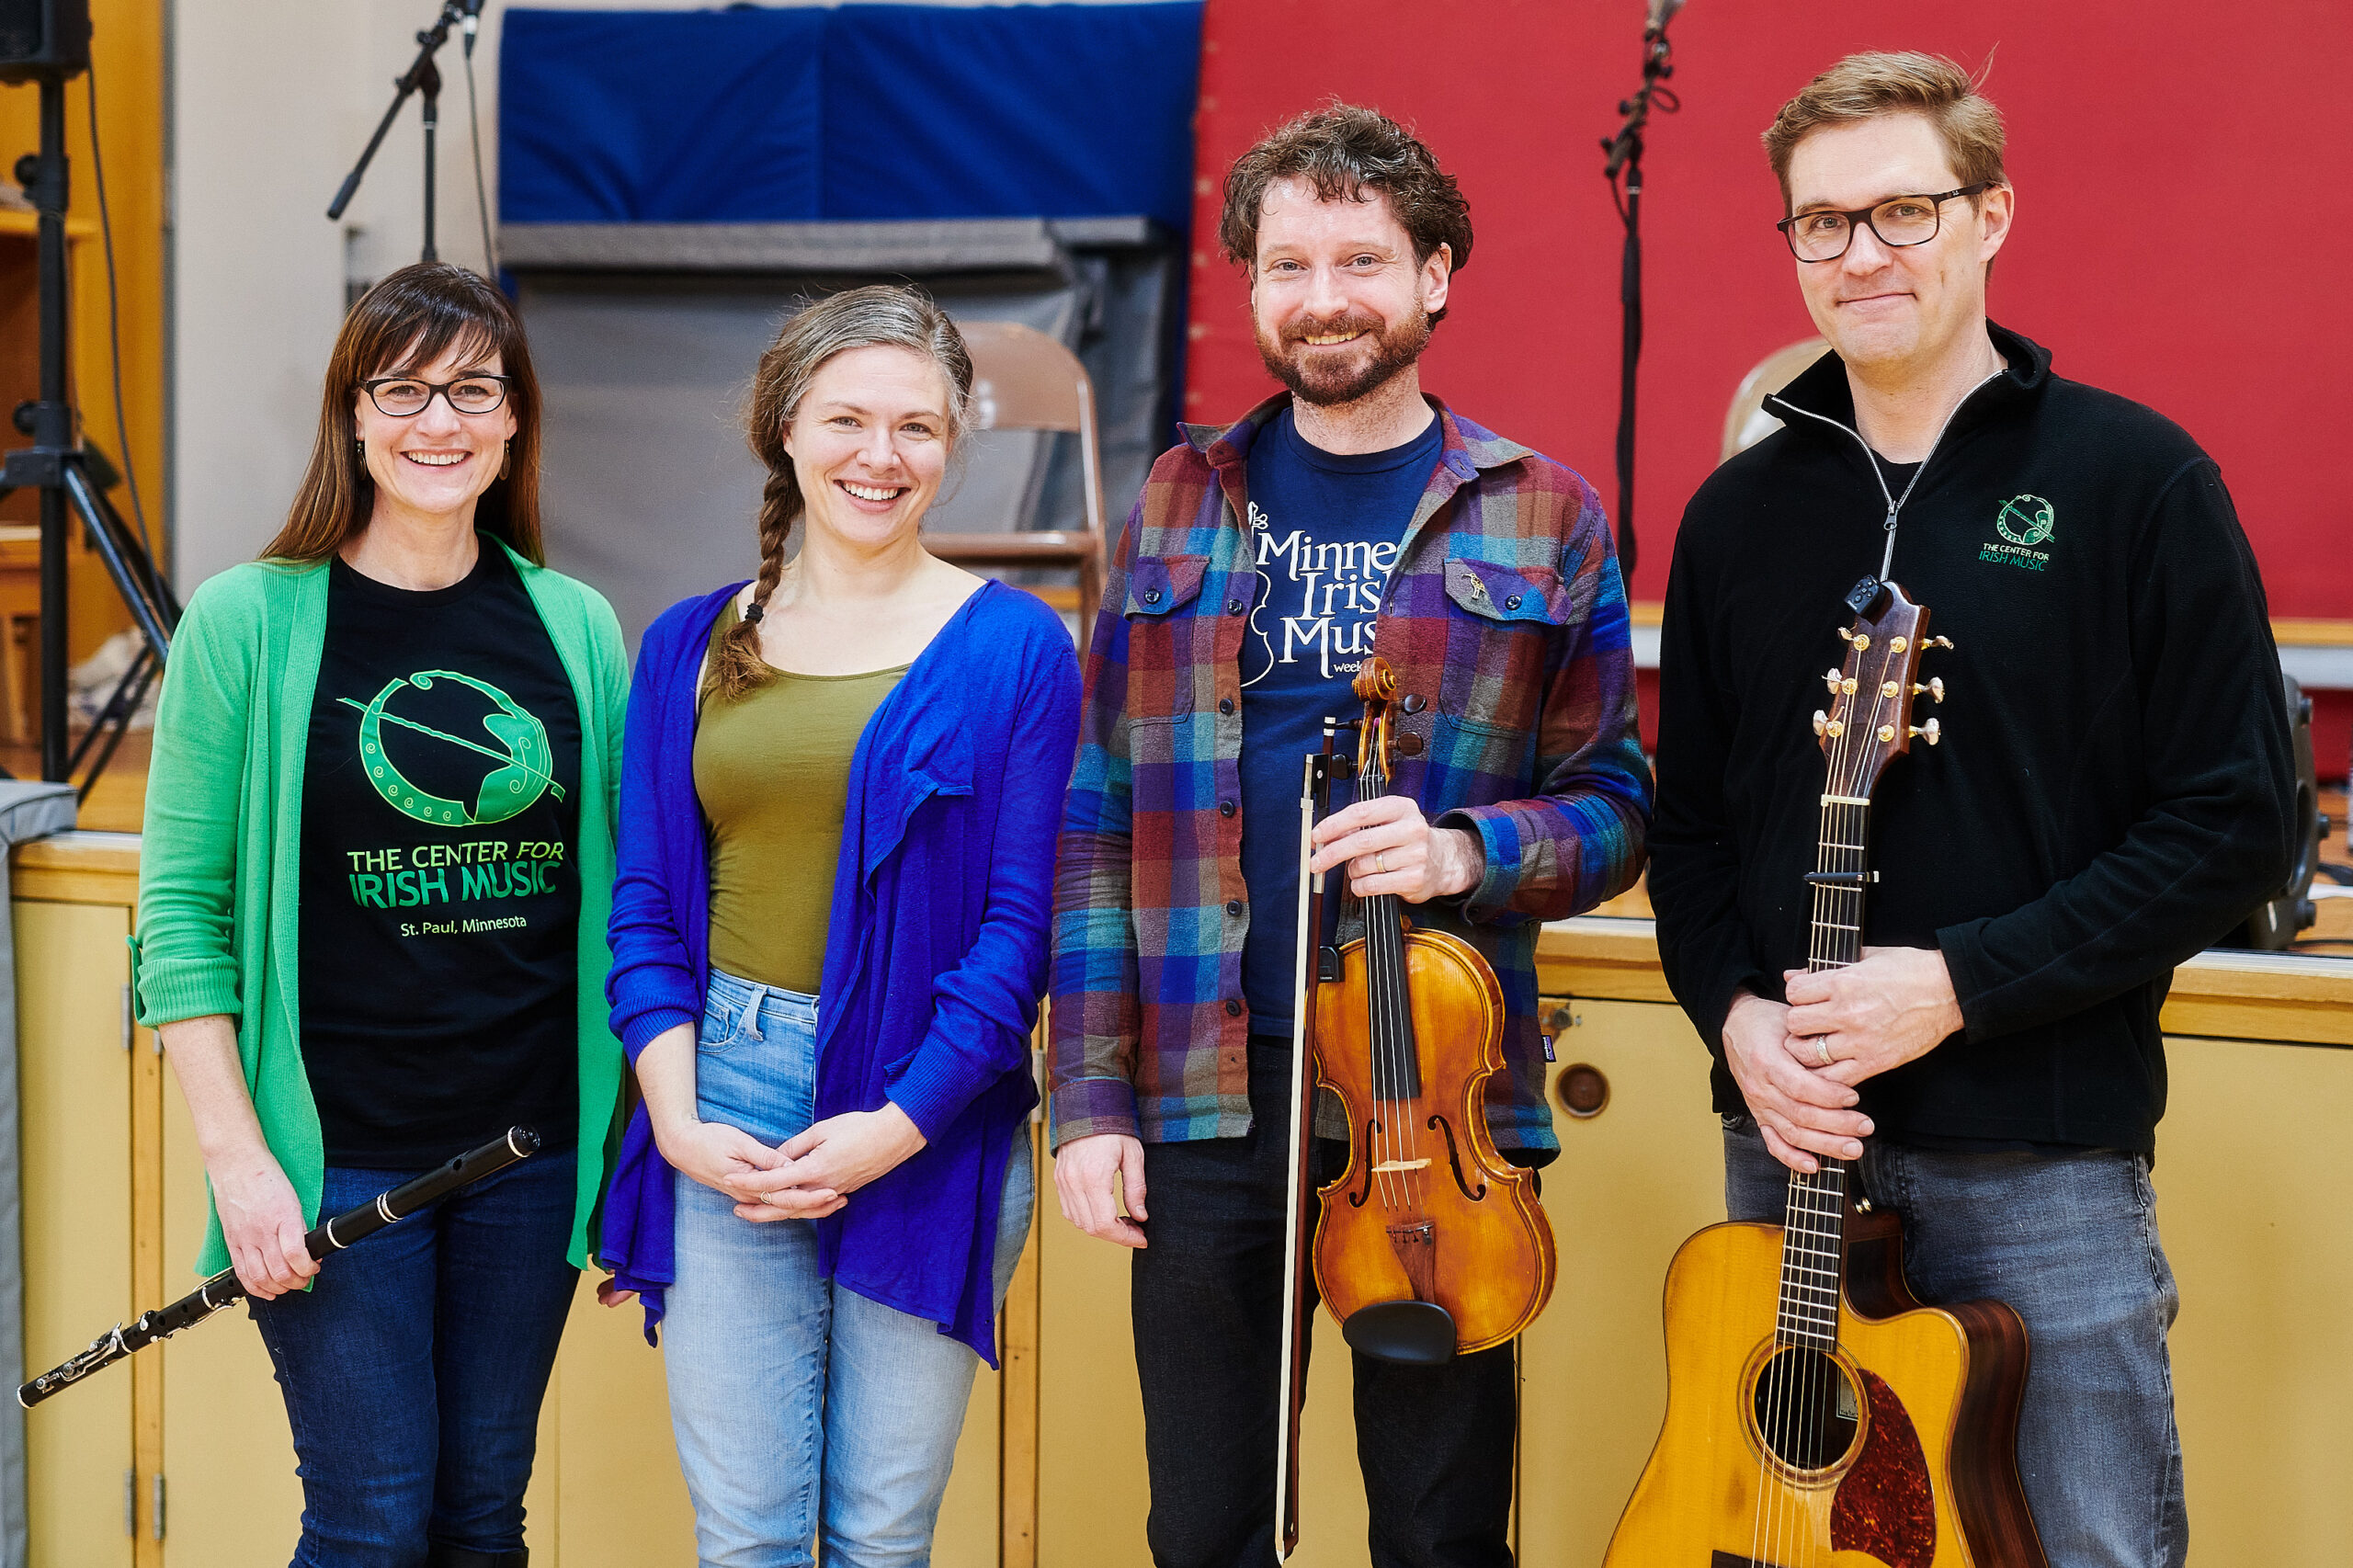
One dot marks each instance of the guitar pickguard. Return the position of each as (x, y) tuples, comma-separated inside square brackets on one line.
[(1885, 1504)]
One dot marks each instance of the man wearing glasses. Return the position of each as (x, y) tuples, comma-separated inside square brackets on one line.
[(2113, 797)]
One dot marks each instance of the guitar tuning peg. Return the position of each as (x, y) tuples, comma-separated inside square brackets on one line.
[(1845, 634), (1937, 643), (1935, 690), (1830, 678), (1928, 732), (1821, 721)]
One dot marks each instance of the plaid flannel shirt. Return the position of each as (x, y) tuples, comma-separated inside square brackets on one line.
[(1503, 614)]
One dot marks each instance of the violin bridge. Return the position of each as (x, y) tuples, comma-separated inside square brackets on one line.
[(1388, 1167)]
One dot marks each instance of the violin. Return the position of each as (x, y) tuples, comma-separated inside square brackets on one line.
[(1428, 1244)]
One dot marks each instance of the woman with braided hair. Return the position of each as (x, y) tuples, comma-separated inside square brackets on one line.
[(829, 939)]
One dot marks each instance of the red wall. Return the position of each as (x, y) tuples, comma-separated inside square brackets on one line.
[(2185, 211)]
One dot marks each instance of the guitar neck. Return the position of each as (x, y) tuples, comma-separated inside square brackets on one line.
[(1814, 1239), (1840, 877)]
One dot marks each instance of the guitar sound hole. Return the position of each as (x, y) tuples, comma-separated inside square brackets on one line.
[(1807, 1408)]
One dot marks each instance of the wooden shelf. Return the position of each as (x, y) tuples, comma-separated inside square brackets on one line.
[(14, 221)]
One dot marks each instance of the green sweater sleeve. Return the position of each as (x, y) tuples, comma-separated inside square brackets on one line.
[(187, 868)]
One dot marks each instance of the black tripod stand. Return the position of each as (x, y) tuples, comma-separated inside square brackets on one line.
[(72, 479)]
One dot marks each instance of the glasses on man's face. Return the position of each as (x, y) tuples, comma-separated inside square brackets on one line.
[(1899, 221), (399, 397)]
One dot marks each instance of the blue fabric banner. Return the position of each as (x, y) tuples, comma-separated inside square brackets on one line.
[(865, 111)]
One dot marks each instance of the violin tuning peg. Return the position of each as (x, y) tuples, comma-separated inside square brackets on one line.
[(1930, 731), (1934, 690)]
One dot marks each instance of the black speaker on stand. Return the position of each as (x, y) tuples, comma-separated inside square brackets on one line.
[(45, 42), (43, 37), (2273, 926)]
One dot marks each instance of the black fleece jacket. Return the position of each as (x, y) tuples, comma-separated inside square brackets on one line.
[(2112, 792)]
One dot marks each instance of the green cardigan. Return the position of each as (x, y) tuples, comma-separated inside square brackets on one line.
[(219, 870)]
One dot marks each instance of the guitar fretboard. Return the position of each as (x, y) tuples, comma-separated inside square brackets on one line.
[(1814, 1239)]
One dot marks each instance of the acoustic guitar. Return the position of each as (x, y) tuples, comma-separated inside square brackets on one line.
[(1818, 1414)]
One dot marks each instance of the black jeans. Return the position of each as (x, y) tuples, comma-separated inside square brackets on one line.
[(1435, 1443)]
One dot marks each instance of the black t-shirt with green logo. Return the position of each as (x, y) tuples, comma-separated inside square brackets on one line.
[(440, 799)]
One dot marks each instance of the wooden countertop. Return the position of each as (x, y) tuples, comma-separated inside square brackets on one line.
[(2222, 993), (2226, 995)]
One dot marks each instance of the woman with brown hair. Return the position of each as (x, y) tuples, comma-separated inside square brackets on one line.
[(841, 789), (376, 869)]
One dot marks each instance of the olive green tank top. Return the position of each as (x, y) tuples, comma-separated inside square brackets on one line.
[(772, 770)]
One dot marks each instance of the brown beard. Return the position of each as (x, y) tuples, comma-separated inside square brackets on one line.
[(1394, 350)]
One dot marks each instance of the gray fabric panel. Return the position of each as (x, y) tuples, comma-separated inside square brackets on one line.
[(650, 493), (1128, 351), (27, 810), (925, 245)]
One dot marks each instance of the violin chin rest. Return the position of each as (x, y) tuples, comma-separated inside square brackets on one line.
[(1416, 1334)]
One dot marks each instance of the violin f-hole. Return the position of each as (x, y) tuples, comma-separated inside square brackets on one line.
[(1454, 1158), (1357, 1199)]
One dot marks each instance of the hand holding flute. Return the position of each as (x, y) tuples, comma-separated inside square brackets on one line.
[(341, 1232)]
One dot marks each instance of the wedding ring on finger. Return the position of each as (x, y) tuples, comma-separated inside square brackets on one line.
[(1822, 1044), (1380, 862)]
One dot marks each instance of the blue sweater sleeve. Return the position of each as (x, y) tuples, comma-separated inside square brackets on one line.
[(652, 986), (985, 1007)]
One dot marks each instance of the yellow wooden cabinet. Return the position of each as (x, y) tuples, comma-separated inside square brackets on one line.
[(181, 1456)]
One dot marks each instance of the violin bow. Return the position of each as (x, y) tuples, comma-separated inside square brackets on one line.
[(1300, 1192)]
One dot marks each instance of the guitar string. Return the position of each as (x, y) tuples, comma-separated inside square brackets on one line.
[(1843, 850), (1805, 1219)]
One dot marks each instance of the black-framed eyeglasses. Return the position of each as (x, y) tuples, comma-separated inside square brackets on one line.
[(1899, 221), (400, 397)]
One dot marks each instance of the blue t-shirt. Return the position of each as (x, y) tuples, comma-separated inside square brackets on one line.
[(1325, 528)]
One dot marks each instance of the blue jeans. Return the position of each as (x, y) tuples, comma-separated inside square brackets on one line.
[(802, 1411), (2070, 1242), (415, 1365)]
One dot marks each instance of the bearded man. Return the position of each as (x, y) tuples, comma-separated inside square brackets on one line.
[(1262, 564)]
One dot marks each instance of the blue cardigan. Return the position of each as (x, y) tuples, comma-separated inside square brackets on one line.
[(934, 950)]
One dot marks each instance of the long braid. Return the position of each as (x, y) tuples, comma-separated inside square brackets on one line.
[(739, 669)]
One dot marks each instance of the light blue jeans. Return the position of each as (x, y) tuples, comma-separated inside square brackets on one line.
[(802, 1411), (2068, 1239)]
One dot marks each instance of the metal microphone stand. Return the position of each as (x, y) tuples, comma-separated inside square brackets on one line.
[(423, 78), (1625, 150), (72, 479)]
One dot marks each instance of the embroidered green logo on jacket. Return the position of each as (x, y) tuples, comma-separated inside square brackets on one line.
[(2025, 521)]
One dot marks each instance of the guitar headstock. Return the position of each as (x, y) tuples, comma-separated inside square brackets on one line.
[(1869, 722)]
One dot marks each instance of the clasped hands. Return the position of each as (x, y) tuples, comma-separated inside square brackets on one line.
[(1797, 1064), (811, 1174)]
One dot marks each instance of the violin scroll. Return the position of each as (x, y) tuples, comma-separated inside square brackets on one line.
[(1376, 687)]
